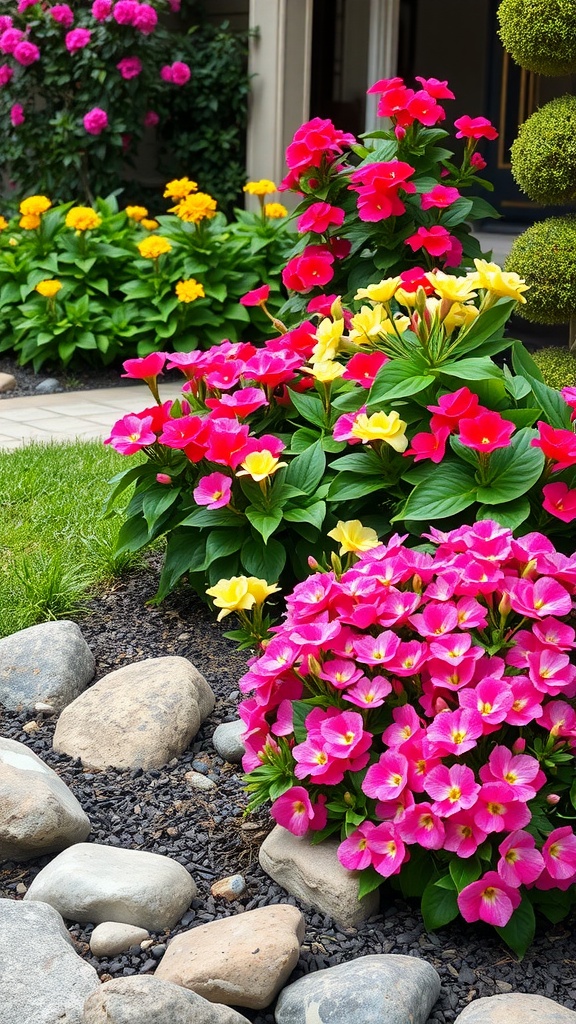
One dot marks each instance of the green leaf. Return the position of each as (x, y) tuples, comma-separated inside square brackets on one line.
[(523, 364), (556, 410), (521, 417), (123, 480), (201, 517), (512, 470), (221, 543), (308, 406), (518, 934), (485, 327), (471, 369), (416, 873), (464, 871), (364, 462), (306, 470), (347, 486), (444, 494), (369, 881), (439, 906), (398, 379), (156, 501), (510, 514), (185, 552), (266, 561), (132, 535), (314, 514), (265, 523)]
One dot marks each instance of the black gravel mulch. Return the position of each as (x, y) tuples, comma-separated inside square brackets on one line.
[(158, 811)]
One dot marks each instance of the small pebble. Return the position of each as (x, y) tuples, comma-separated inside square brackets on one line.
[(48, 386), (199, 781)]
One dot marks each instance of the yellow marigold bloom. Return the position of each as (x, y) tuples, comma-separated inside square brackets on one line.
[(231, 595), (260, 188), (460, 314), (367, 324), (149, 224), (260, 465), (195, 208), (179, 188), (30, 221), (35, 205), (381, 426), (455, 289), (352, 536), (260, 589), (3, 223), (48, 288), (328, 336), (83, 218), (275, 210), (325, 370), (153, 247), (136, 212), (491, 277), (381, 292), (190, 290)]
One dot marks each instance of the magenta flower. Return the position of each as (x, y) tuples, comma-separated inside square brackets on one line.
[(23, 5), (125, 11), (540, 599), (429, 445), (559, 853), (63, 14), (95, 121), (10, 39), (386, 779), (455, 732), (131, 434), (319, 217), (436, 240), (517, 774), (213, 490), (151, 119), (129, 67), (490, 699), (294, 811), (145, 19), (145, 368), (26, 53), (77, 39), (177, 73), (5, 22), (439, 197), (498, 809), (240, 403), (379, 845), (560, 501), (463, 835), (369, 693), (363, 367), (256, 297), (101, 9), (6, 73), (490, 899), (17, 115), (475, 128), (520, 862), (486, 432), (420, 824)]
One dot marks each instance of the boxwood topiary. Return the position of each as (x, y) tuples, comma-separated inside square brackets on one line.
[(544, 154), (540, 34), (557, 366), (545, 256)]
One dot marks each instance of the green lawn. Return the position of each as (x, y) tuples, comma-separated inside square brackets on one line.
[(54, 544)]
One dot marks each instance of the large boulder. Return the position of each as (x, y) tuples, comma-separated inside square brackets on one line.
[(145, 1000), (49, 663), (515, 1008), (90, 882), (38, 813), (140, 716), (240, 961), (42, 978)]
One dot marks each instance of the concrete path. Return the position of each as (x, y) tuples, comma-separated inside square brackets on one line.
[(70, 415)]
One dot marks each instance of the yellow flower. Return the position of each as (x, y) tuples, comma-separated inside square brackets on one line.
[(149, 224), (260, 589), (35, 205), (275, 210), (493, 279), (190, 290), (455, 289), (195, 208), (3, 223), (179, 188), (402, 323), (153, 247), (231, 595), (30, 221), (13, 241), (260, 188), (367, 324), (48, 288), (83, 218), (325, 370), (460, 313), (328, 336), (352, 536), (136, 212), (381, 292), (381, 426), (260, 465)]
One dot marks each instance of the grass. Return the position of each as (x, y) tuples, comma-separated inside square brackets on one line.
[(55, 546)]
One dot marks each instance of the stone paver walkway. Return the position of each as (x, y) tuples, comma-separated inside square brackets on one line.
[(69, 416)]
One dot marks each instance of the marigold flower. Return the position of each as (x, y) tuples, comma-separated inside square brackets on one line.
[(179, 188), (136, 213), (353, 537), (30, 221), (82, 218), (149, 224), (381, 426), (153, 247), (275, 210), (260, 188), (35, 205), (195, 207), (48, 288), (190, 290), (3, 223)]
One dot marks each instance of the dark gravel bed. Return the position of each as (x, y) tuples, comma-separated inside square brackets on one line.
[(70, 380), (206, 832)]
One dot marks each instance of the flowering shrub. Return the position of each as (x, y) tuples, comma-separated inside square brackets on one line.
[(420, 706), (129, 282)]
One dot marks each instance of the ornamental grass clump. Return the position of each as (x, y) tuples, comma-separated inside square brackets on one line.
[(418, 705)]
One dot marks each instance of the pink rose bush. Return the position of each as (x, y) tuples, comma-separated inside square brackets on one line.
[(419, 705)]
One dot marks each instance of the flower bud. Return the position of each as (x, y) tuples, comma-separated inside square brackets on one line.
[(417, 583), (505, 607), (440, 705), (397, 686), (553, 799), (519, 746), (163, 478), (349, 799), (336, 309), (399, 132), (314, 666)]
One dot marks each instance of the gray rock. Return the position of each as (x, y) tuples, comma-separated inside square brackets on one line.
[(140, 716), (90, 882), (7, 382), (38, 813), (379, 989), (50, 662), (315, 875), (42, 979), (516, 1008), (200, 782), (111, 938), (227, 742), (145, 1000), (48, 386)]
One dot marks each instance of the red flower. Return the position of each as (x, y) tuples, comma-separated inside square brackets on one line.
[(364, 366), (414, 279), (440, 196), (319, 216), (454, 407), (378, 185), (557, 445), (314, 140), (475, 128), (439, 90), (256, 297), (429, 446), (435, 240), (486, 432), (312, 268), (423, 107), (146, 367), (477, 162)]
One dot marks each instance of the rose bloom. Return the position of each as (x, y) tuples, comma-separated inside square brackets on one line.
[(26, 53), (125, 11), (95, 121), (6, 73), (82, 218), (101, 9), (151, 119), (77, 39), (10, 39), (17, 115), (129, 67), (146, 19), (63, 14), (177, 73)]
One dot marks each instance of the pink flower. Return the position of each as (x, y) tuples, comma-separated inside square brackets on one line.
[(313, 141), (6, 73), (435, 240), (345, 736), (188, 434), (151, 119), (429, 446), (369, 693), (477, 162), (256, 297), (10, 39), (474, 128), (540, 599), (26, 53), (131, 434), (5, 22), (560, 501), (455, 732), (520, 862), (517, 773), (129, 67), (312, 268), (420, 824), (378, 186), (146, 20), (439, 90), (440, 196), (77, 39), (498, 810), (363, 367), (177, 73), (145, 368), (319, 217), (490, 899), (486, 432), (294, 811), (213, 490), (95, 121), (453, 407), (559, 853), (23, 5), (386, 779), (163, 478), (463, 835), (125, 11), (452, 789), (17, 114), (379, 845), (239, 404), (227, 442), (63, 14), (101, 9), (558, 445)]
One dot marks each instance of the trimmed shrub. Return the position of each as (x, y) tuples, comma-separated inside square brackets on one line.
[(545, 256), (539, 34), (544, 154)]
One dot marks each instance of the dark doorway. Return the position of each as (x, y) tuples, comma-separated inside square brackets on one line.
[(339, 62)]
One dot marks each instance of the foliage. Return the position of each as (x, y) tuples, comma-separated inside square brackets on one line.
[(557, 366), (429, 723), (539, 34), (544, 153), (113, 302), (545, 256)]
